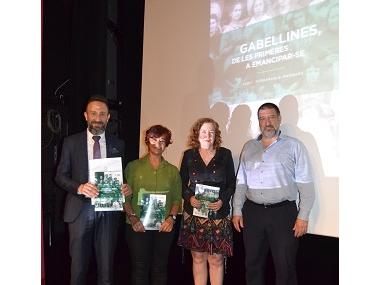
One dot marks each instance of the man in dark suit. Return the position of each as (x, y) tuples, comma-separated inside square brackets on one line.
[(88, 229)]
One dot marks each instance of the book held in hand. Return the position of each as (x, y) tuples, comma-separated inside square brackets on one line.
[(153, 210), (107, 175), (205, 194)]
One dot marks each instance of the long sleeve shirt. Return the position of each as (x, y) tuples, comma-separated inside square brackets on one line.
[(219, 172), (144, 179), (274, 174)]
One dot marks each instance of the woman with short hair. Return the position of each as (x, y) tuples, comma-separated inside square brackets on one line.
[(152, 209)]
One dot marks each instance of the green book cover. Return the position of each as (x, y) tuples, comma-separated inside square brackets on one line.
[(153, 210), (205, 194), (107, 175)]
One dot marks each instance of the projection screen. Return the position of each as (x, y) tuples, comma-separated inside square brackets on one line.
[(223, 59)]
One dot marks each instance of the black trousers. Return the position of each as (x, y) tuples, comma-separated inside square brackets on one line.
[(93, 231), (266, 228), (149, 253)]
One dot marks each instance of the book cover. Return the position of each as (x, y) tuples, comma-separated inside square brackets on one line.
[(205, 194), (107, 175), (153, 210)]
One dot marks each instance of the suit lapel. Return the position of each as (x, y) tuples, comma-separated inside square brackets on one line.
[(83, 152), (111, 147)]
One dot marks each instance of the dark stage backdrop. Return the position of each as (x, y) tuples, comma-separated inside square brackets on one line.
[(74, 65)]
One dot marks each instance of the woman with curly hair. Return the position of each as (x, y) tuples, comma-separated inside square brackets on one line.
[(210, 238)]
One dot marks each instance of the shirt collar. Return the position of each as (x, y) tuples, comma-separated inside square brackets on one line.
[(162, 164), (280, 136), (90, 135)]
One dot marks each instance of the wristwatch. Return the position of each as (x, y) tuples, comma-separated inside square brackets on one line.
[(131, 215), (174, 217)]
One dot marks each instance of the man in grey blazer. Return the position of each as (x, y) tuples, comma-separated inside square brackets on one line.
[(89, 230)]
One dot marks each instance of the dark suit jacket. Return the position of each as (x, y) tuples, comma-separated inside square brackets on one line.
[(73, 169)]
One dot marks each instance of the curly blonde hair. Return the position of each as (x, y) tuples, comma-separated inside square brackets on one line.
[(194, 135)]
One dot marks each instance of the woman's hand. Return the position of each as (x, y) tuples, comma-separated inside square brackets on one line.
[(195, 202), (167, 225), (216, 205), (137, 225)]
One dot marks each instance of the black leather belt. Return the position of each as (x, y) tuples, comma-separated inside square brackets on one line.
[(273, 205)]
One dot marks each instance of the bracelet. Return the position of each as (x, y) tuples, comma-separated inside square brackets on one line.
[(131, 215), (174, 217)]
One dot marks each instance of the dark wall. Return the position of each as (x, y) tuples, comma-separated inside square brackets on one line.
[(74, 58), (73, 67), (129, 71), (73, 51), (56, 36)]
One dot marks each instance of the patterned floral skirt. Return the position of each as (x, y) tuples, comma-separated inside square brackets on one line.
[(204, 235)]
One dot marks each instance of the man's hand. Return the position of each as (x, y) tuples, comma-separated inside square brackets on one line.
[(126, 190), (89, 190), (238, 222), (300, 227)]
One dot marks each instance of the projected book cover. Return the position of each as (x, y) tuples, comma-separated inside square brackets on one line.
[(268, 49), (205, 194), (284, 52), (152, 210), (107, 175)]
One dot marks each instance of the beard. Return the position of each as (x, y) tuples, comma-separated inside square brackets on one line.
[(270, 132), (96, 128)]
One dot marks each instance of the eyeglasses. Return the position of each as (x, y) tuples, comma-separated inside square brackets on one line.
[(157, 140)]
